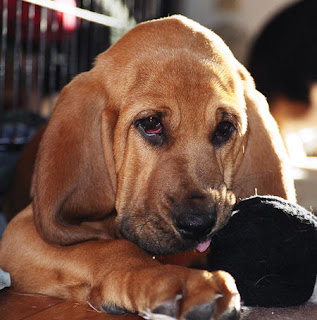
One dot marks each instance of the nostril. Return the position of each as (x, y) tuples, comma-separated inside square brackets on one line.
[(195, 227)]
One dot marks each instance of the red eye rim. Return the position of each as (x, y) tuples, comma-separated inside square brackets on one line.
[(152, 125), (152, 129), (157, 130)]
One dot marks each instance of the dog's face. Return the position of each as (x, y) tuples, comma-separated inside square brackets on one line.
[(167, 130), (180, 129)]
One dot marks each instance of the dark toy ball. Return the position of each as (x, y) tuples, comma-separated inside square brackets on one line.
[(270, 248)]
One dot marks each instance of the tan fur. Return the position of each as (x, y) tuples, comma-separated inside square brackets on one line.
[(96, 178)]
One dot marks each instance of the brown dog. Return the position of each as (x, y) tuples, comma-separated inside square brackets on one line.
[(145, 155)]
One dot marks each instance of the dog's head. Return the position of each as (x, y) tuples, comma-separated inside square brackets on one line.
[(161, 136)]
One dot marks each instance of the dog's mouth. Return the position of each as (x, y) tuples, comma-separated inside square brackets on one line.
[(167, 243), (203, 246), (184, 245), (159, 238), (175, 246)]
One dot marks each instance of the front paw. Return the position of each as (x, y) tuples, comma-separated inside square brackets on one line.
[(205, 296), (211, 296), (169, 292)]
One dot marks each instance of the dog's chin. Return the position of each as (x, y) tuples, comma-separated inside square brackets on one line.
[(169, 247), (161, 244), (158, 239)]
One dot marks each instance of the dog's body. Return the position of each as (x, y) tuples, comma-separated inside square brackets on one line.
[(145, 155)]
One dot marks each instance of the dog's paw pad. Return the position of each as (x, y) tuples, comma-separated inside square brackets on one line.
[(203, 311), (112, 309)]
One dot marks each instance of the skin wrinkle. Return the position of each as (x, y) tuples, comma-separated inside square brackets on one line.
[(236, 161), (146, 223)]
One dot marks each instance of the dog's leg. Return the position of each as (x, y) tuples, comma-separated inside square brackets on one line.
[(115, 276)]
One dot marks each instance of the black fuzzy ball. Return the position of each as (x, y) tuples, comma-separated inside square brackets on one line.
[(270, 248)]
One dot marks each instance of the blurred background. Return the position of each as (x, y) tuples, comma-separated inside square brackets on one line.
[(45, 43)]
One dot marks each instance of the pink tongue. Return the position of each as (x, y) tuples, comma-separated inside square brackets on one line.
[(203, 246)]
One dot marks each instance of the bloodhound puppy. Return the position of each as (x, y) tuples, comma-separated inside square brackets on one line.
[(145, 155)]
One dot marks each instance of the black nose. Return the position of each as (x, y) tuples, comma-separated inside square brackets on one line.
[(195, 225)]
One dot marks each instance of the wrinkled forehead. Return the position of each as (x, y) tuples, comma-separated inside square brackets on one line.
[(183, 76), (173, 57)]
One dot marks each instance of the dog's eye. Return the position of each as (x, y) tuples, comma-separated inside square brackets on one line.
[(151, 129), (222, 133), (151, 125)]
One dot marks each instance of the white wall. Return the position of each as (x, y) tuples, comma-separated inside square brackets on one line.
[(238, 22)]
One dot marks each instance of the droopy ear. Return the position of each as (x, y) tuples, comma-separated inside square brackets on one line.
[(74, 178), (264, 168)]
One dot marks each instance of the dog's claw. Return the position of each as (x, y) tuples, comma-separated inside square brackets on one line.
[(203, 311)]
